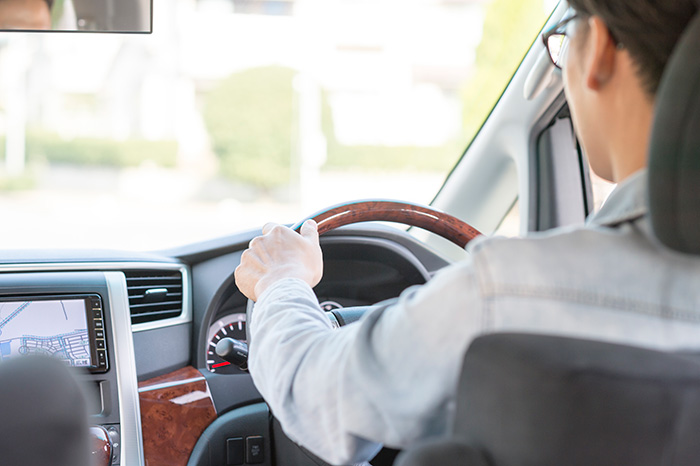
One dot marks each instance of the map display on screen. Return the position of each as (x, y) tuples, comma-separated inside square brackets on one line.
[(56, 328)]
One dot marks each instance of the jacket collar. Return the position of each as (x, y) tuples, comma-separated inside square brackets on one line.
[(628, 202)]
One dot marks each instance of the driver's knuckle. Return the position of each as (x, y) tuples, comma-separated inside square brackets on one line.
[(245, 258)]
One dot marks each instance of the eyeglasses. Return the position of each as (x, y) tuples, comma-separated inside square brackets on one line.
[(557, 42)]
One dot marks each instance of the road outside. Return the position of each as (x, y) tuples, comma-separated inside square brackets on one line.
[(151, 208)]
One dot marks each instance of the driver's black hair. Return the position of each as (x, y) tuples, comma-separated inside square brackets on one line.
[(648, 29)]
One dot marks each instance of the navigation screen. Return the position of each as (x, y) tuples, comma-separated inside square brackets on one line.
[(57, 328)]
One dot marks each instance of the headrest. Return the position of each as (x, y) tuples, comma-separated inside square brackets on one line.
[(674, 153)]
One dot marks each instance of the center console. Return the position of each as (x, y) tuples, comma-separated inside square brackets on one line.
[(82, 318)]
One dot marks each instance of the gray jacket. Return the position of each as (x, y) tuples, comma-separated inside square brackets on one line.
[(390, 378)]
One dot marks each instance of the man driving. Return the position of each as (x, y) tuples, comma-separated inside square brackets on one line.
[(391, 378)]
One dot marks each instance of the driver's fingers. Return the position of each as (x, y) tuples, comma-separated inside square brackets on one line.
[(258, 249), (247, 274), (268, 227), (309, 230)]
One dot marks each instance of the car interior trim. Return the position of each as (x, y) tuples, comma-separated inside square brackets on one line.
[(176, 408), (161, 386), (125, 365), (555, 173), (185, 316), (400, 250)]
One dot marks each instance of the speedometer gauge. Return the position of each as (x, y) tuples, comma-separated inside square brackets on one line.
[(232, 326)]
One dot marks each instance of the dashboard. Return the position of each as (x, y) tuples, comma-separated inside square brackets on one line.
[(139, 329)]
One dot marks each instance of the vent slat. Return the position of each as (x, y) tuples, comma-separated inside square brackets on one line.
[(169, 295), (142, 284), (138, 319), (154, 311), (155, 285), (155, 306), (154, 276)]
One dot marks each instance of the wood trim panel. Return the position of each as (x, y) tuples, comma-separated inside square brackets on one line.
[(175, 410)]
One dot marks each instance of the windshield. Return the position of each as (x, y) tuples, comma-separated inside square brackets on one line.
[(234, 113)]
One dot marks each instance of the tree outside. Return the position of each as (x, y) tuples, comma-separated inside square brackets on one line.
[(250, 119), (508, 26), (251, 114)]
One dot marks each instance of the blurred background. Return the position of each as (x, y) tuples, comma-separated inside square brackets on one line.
[(233, 113)]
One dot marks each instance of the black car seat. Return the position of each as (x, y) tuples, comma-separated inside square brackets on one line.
[(544, 400), (554, 401)]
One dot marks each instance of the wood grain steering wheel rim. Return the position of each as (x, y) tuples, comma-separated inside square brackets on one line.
[(427, 218)]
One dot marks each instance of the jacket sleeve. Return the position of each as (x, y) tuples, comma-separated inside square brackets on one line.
[(387, 379)]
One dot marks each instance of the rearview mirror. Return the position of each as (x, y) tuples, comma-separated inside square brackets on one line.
[(76, 15)]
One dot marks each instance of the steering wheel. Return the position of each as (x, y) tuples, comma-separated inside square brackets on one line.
[(428, 218), (440, 223)]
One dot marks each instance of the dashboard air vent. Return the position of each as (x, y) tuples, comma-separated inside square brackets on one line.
[(154, 294)]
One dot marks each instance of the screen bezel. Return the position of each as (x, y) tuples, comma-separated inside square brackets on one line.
[(93, 312)]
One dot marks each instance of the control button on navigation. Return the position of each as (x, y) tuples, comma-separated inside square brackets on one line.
[(101, 357), (99, 334), (100, 344), (98, 323)]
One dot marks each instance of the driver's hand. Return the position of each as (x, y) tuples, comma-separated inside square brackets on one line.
[(280, 253)]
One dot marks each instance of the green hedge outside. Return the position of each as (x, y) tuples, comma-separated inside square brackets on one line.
[(251, 121), (98, 152), (392, 158)]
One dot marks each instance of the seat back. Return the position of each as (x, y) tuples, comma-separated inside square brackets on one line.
[(544, 400), (43, 414), (547, 401)]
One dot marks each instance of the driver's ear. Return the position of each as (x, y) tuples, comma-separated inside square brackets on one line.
[(600, 54)]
